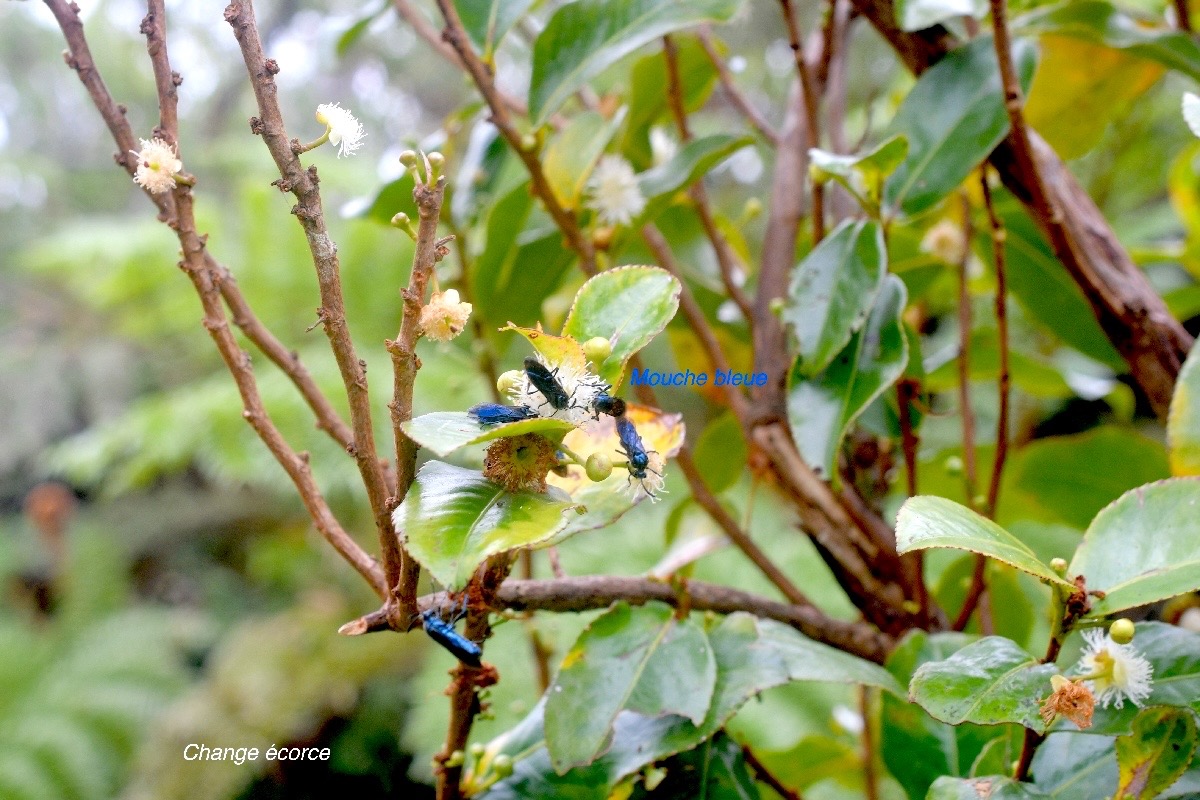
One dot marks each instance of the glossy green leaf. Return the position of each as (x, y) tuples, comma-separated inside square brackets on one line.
[(862, 175), (988, 682), (953, 118), (1143, 547), (629, 306), (1103, 23), (570, 156), (917, 748), (452, 519), (487, 21), (1174, 653), (1183, 422), (641, 658), (1040, 283), (917, 15), (584, 38), (1068, 765), (1156, 754), (822, 408), (928, 521), (722, 451), (443, 432), (687, 166), (832, 292), (1102, 463), (992, 787)]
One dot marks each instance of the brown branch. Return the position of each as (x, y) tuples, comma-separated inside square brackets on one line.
[(1183, 15), (591, 592), (735, 95), (906, 392), (812, 111), (870, 777), (999, 236), (209, 282), (965, 409), (526, 150), (302, 184), (761, 773), (1129, 310), (727, 261)]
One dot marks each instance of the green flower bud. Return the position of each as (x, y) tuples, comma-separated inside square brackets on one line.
[(509, 381), (598, 466), (436, 162), (597, 349), (1059, 565), (502, 765), (456, 759), (408, 158), (953, 465), (477, 750), (1121, 631), (529, 142), (402, 222)]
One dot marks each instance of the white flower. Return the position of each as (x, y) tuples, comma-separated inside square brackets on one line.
[(344, 129), (615, 195), (157, 166), (1191, 112), (945, 241), (445, 316), (1117, 672), (652, 485), (579, 385)]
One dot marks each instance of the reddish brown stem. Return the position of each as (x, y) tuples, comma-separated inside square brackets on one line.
[(812, 110), (735, 95), (764, 775)]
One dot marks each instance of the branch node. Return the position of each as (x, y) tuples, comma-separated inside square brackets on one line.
[(256, 126), (271, 66)]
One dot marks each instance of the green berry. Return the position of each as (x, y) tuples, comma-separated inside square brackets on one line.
[(1121, 631), (502, 765), (598, 466), (597, 349)]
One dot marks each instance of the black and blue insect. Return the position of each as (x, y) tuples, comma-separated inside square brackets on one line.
[(635, 451), (497, 414), (443, 632), (606, 404), (545, 380)]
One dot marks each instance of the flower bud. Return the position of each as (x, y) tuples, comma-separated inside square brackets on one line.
[(1059, 565), (510, 381), (597, 349), (477, 750), (408, 158), (529, 143), (502, 765), (953, 465), (436, 162), (598, 466), (456, 759), (402, 222), (1121, 631)]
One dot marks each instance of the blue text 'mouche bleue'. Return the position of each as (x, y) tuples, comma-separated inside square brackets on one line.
[(722, 377)]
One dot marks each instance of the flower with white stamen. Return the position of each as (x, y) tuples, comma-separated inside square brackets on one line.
[(579, 385), (157, 166), (342, 128), (614, 192), (1114, 672), (445, 316), (652, 485)]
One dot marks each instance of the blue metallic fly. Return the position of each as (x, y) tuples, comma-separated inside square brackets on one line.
[(443, 633), (604, 404), (635, 451), (496, 414)]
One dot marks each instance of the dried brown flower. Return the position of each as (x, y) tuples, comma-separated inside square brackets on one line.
[(1071, 700)]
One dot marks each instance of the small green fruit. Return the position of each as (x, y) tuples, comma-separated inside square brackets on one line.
[(409, 158), (597, 349), (1121, 631), (598, 466), (502, 765), (1059, 565)]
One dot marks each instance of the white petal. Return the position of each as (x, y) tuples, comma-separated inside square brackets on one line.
[(1191, 112)]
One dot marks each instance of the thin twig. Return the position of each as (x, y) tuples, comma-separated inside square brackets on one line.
[(999, 236), (200, 269), (735, 95), (906, 391), (591, 592), (727, 261), (302, 184), (456, 35), (1183, 15), (965, 409), (812, 110), (763, 774), (870, 776)]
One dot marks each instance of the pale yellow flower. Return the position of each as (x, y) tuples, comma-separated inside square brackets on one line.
[(445, 316), (157, 166)]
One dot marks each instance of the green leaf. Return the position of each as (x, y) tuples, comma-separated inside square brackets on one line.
[(722, 450), (443, 432), (1102, 464), (953, 118), (928, 521), (643, 659), (687, 166), (1183, 422), (355, 31), (917, 15), (989, 682), (917, 748), (1102, 23), (716, 770), (992, 787), (1174, 653), (1069, 765), (570, 156), (1156, 753), (452, 519), (822, 408), (487, 21), (584, 38), (648, 102), (629, 306), (862, 175), (832, 292), (1143, 547)]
